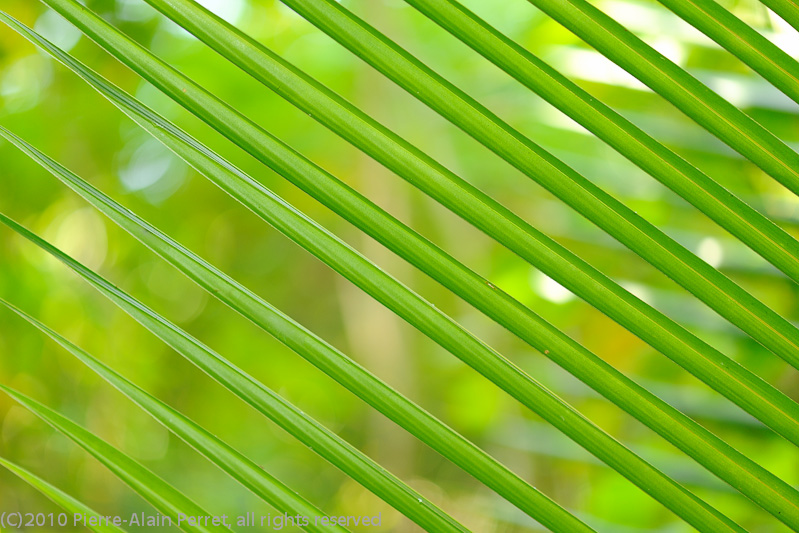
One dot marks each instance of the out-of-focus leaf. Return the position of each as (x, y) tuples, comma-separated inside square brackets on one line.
[(152, 488), (229, 460), (64, 500)]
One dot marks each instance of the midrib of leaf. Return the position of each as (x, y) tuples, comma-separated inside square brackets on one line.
[(788, 10), (591, 370), (334, 363), (222, 455), (751, 227), (706, 283), (60, 498), (301, 426), (152, 488), (685, 92), (760, 54)]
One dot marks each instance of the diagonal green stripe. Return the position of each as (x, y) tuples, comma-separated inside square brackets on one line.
[(334, 363), (672, 495), (226, 458), (685, 92), (62, 499), (745, 223), (588, 369), (760, 54), (716, 290), (406, 160), (307, 430), (152, 488), (702, 280), (788, 10)]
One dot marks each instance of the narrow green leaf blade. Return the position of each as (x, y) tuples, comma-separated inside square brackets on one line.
[(713, 288), (363, 213), (698, 357), (672, 495), (367, 134), (760, 54), (674, 427), (226, 458), (674, 260), (60, 498), (788, 10), (331, 361), (734, 215), (152, 488), (685, 92), (321, 440)]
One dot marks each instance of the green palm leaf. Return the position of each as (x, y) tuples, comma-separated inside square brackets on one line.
[(321, 440), (716, 290), (673, 496), (64, 500), (321, 184), (677, 428), (634, 235), (764, 57), (229, 460), (752, 228), (343, 369), (152, 488), (787, 9), (643, 320), (688, 94)]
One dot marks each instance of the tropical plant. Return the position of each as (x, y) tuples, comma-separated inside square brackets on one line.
[(721, 462)]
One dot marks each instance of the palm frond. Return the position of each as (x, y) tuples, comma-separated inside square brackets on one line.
[(670, 478), (706, 283), (745, 475), (752, 228), (331, 361), (307, 430), (672, 495), (687, 428)]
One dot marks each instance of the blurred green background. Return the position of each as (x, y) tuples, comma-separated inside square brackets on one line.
[(54, 110)]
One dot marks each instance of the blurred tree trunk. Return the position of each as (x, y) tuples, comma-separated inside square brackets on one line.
[(375, 333)]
